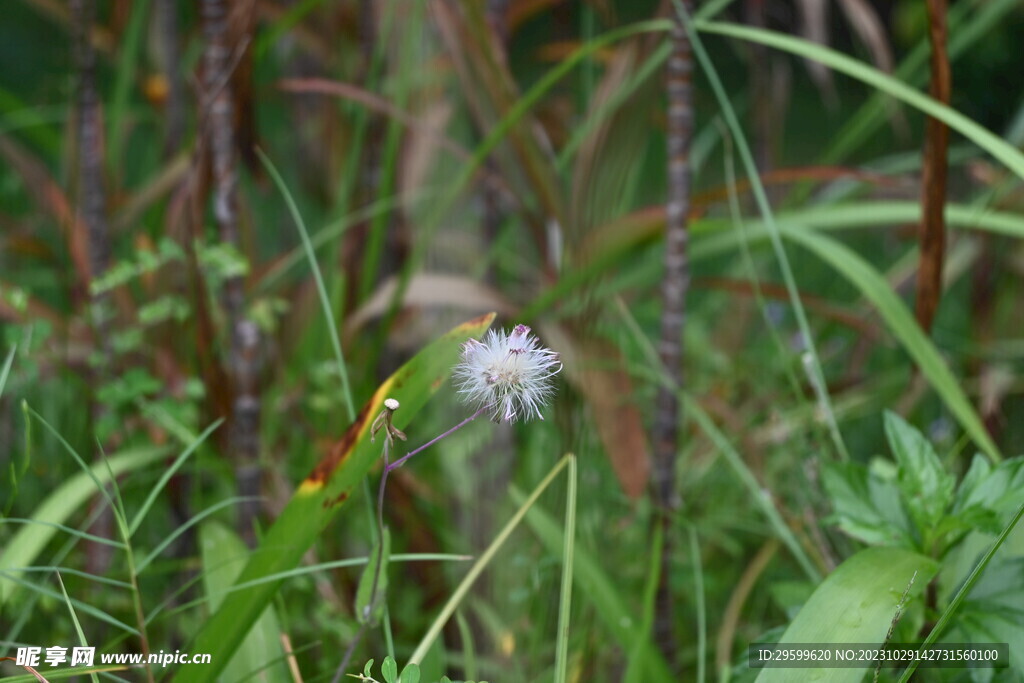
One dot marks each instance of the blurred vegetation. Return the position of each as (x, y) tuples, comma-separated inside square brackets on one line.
[(406, 166)]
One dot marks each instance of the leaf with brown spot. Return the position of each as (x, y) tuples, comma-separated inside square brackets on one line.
[(321, 496)]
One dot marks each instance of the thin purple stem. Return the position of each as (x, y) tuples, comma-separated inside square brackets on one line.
[(398, 463), (388, 466)]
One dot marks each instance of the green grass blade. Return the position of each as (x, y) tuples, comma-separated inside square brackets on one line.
[(81, 606), (166, 477), (321, 496), (74, 619), (600, 591), (325, 301), (965, 590), (855, 604), (7, 368), (991, 143), (634, 671), (485, 559), (764, 206), (754, 489), (198, 517), (702, 617), (125, 79), (71, 531), (902, 324), (565, 593), (77, 572), (24, 548)]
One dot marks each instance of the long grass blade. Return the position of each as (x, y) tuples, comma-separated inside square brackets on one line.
[(166, 477), (765, 209), (998, 148), (565, 592), (485, 559), (74, 619), (325, 301), (900, 321)]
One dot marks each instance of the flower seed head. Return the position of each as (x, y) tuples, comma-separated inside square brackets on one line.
[(391, 404), (508, 371)]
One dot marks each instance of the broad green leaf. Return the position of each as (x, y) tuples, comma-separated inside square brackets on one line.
[(926, 486), (373, 584), (30, 540), (389, 670), (855, 604), (224, 555), (321, 496), (410, 674)]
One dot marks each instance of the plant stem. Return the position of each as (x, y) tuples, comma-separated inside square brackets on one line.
[(388, 466), (401, 461)]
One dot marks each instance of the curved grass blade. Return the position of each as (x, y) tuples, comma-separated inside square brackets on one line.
[(998, 148), (321, 496), (74, 620), (155, 553), (166, 477), (81, 606), (58, 506), (855, 604), (600, 591), (902, 324), (485, 559), (325, 302)]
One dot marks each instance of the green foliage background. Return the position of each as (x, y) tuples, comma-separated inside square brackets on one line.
[(514, 162)]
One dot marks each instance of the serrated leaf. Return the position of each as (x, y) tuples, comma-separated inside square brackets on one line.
[(927, 487), (389, 670), (978, 472), (411, 674), (370, 598), (862, 505), (1000, 491)]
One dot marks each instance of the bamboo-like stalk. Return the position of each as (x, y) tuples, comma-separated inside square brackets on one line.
[(933, 178), (219, 58), (170, 54), (674, 287), (92, 201)]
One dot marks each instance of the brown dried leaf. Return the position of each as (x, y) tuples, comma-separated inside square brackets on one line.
[(595, 368)]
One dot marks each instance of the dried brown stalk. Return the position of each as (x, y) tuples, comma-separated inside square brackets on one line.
[(933, 181)]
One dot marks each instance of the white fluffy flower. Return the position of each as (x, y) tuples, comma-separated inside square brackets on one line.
[(510, 373)]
